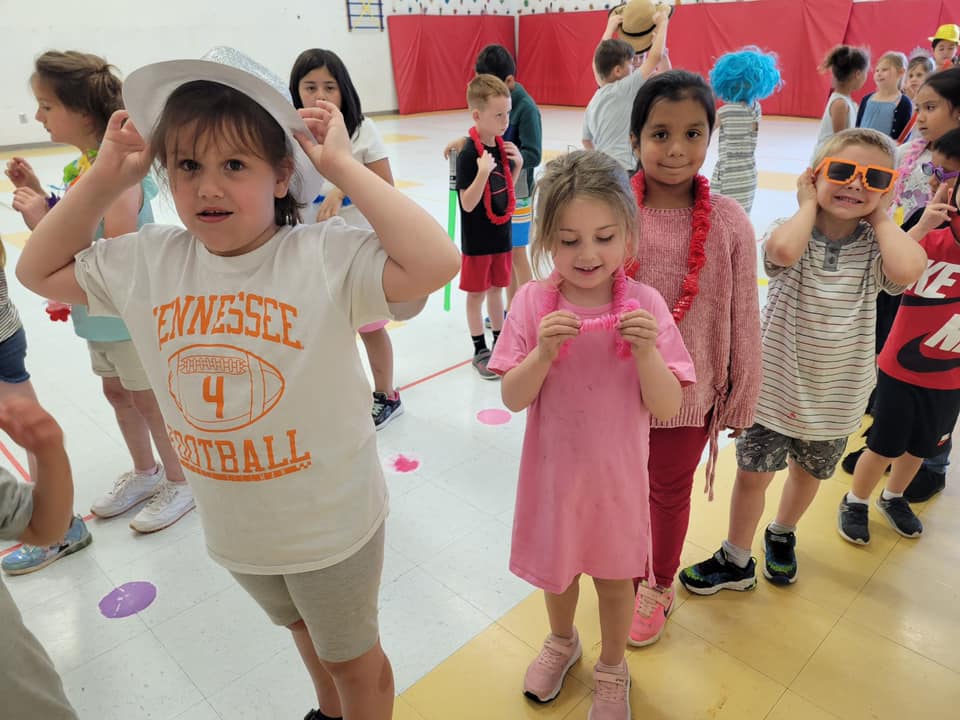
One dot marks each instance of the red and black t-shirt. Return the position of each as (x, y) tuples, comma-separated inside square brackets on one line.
[(924, 344), (479, 236)]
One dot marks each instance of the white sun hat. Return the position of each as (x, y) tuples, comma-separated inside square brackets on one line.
[(145, 93)]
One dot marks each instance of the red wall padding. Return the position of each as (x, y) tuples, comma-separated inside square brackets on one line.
[(433, 56)]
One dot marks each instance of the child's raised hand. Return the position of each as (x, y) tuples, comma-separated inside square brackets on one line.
[(454, 146), (29, 425), (937, 211), (485, 164), (21, 174), (661, 15), (513, 154), (639, 328), (31, 205), (555, 329), (330, 206), (328, 143), (124, 156), (881, 213), (806, 187), (614, 21)]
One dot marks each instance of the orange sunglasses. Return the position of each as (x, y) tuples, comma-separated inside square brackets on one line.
[(843, 172)]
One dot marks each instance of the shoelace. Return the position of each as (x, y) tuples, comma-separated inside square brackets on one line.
[(551, 656), (166, 494), (378, 408), (121, 482), (610, 688), (649, 599)]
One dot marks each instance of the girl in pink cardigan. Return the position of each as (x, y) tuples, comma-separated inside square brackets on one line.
[(699, 251)]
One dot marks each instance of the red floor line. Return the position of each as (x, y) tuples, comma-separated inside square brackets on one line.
[(13, 461), (436, 374)]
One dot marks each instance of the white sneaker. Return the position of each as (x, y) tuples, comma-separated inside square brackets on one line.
[(172, 502), (129, 489)]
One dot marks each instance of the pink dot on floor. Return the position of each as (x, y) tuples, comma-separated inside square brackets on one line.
[(494, 417), (128, 599), (402, 464)]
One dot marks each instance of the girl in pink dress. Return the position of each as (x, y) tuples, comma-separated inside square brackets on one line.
[(591, 354)]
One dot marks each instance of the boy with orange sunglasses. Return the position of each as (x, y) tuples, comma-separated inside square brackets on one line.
[(826, 265)]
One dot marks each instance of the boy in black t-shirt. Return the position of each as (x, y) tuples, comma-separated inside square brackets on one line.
[(485, 170)]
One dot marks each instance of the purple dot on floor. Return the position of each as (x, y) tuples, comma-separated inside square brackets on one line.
[(128, 599), (494, 417)]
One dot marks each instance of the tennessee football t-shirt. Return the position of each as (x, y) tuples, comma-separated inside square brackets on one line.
[(254, 363), (924, 344)]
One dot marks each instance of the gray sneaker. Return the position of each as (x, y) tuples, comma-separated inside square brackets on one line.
[(898, 513), (480, 361), (852, 522)]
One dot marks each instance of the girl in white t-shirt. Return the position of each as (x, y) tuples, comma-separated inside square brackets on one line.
[(247, 318), (847, 66), (321, 75)]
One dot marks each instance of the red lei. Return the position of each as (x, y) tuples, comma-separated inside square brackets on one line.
[(690, 286), (507, 176)]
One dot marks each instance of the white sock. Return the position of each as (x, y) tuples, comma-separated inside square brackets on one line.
[(887, 495), (737, 555), (851, 498)]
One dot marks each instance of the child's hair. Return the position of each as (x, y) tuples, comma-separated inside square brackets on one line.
[(611, 54), (580, 174), (899, 62), (84, 83), (921, 60), (202, 111), (495, 60), (315, 58), (856, 136), (946, 84), (484, 87), (673, 86), (745, 76), (845, 60), (948, 144)]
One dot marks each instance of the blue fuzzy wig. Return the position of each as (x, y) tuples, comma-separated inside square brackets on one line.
[(745, 76)]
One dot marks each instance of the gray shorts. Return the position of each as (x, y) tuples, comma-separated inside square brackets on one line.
[(338, 604), (119, 360), (760, 449)]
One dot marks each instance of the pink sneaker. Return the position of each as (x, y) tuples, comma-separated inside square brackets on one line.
[(611, 693), (545, 675), (650, 615)]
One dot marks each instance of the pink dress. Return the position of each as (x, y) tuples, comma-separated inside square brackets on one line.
[(583, 493)]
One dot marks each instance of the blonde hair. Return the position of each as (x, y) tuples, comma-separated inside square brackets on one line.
[(899, 61), (856, 136), (586, 174), (484, 87)]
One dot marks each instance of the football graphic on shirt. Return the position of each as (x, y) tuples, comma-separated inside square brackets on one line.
[(220, 388)]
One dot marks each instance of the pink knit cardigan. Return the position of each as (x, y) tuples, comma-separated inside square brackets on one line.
[(722, 328)]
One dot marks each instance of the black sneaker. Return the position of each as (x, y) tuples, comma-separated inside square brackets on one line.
[(384, 409), (898, 513), (317, 715), (849, 462), (925, 484), (711, 576), (852, 522), (480, 361), (780, 557)]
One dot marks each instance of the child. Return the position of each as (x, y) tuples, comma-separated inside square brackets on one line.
[(741, 80), (320, 74), (592, 355), (918, 388), (887, 110), (37, 514), (698, 250), (76, 94), (15, 383), (919, 67), (290, 490), (848, 68), (526, 133), (944, 43), (825, 264), (485, 171), (606, 122)]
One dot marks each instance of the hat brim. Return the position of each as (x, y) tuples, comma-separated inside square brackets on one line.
[(146, 90)]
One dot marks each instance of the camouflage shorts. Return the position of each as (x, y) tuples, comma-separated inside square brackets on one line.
[(760, 449)]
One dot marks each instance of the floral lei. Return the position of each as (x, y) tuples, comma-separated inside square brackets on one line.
[(508, 177), (906, 168), (620, 305), (697, 258), (73, 171)]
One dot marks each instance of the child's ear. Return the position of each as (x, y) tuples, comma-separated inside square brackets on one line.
[(284, 176), (475, 114), (635, 144), (510, 82)]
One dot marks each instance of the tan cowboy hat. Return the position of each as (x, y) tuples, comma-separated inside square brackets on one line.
[(637, 28), (950, 33)]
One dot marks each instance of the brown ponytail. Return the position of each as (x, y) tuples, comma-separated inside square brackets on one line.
[(82, 82)]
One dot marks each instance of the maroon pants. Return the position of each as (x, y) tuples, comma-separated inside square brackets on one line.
[(674, 456)]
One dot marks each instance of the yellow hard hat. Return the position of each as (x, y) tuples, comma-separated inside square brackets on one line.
[(950, 33)]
